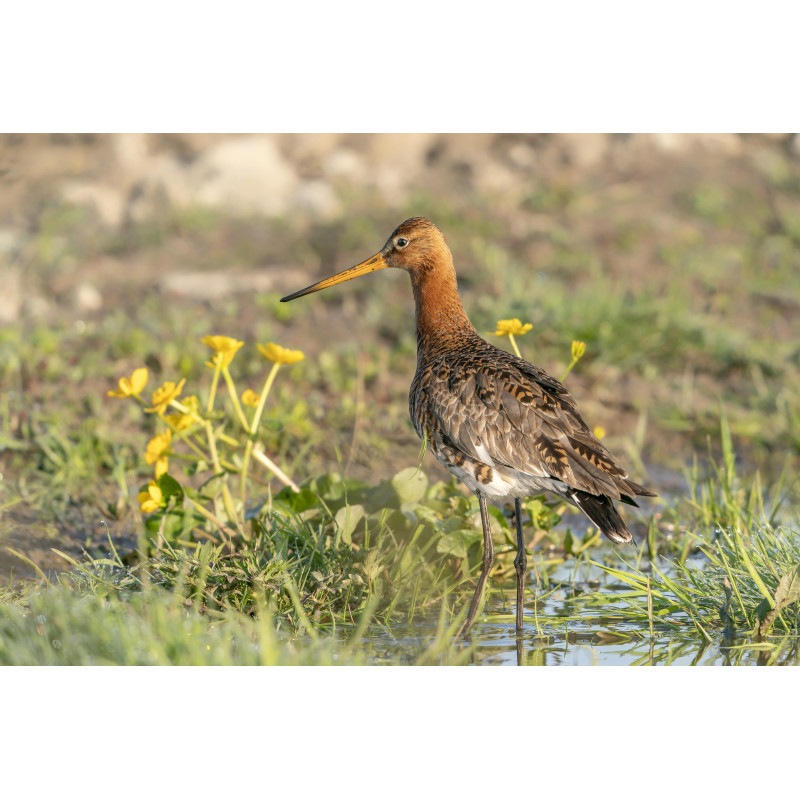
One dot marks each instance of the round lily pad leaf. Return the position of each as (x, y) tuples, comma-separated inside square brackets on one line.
[(410, 484)]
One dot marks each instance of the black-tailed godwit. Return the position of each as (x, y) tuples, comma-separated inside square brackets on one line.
[(504, 427)]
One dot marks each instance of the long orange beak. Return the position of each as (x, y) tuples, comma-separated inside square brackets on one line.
[(370, 265)]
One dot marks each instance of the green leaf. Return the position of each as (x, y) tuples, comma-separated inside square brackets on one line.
[(457, 543), (788, 589), (173, 524), (786, 593), (213, 486), (380, 496), (169, 487), (347, 518), (333, 487), (298, 501), (424, 514), (495, 512), (410, 485)]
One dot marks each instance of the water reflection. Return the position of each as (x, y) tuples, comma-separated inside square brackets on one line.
[(582, 640), (575, 625)]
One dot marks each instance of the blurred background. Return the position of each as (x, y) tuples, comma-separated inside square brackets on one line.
[(675, 257)]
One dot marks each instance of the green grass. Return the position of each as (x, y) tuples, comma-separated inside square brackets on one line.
[(180, 610), (744, 577), (65, 625)]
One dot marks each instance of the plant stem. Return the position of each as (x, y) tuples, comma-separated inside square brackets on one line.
[(213, 393), (209, 516), (261, 456), (226, 495), (254, 432), (235, 399), (569, 369), (263, 399)]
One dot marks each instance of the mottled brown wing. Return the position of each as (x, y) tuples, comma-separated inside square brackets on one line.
[(494, 404)]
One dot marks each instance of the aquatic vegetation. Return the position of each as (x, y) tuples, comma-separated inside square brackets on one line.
[(744, 577)]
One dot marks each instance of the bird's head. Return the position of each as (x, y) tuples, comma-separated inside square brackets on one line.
[(416, 246)]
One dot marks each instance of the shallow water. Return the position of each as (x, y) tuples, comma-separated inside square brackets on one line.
[(564, 631), (597, 641)]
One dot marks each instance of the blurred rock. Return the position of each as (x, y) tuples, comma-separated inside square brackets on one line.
[(131, 154), (213, 285), (10, 240), (396, 160), (87, 298), (522, 156), (463, 147), (165, 182), (106, 202), (584, 150), (406, 150), (729, 144), (36, 307), (246, 175), (345, 163), (309, 147), (726, 143), (498, 180), (318, 198), (11, 295)]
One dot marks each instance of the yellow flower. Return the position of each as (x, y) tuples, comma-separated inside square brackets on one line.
[(184, 421), (250, 398), (180, 421), (164, 395), (130, 387), (157, 447), (511, 326), (280, 355), (578, 349), (599, 432), (224, 347), (221, 344), (152, 499), (157, 452)]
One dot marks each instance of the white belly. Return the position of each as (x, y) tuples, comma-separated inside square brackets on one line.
[(506, 484)]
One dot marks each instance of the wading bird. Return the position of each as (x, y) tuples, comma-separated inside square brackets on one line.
[(504, 427)]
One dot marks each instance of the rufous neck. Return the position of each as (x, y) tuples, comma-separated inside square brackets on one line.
[(440, 317)]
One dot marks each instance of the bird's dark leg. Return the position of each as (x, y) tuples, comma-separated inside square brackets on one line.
[(520, 563), (488, 560)]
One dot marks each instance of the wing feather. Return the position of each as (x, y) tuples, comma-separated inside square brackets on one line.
[(500, 409)]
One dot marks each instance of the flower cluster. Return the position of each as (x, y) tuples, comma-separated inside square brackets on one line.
[(201, 433)]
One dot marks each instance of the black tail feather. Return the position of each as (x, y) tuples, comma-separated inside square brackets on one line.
[(601, 511)]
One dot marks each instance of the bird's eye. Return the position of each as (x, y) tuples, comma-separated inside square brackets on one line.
[(400, 242)]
